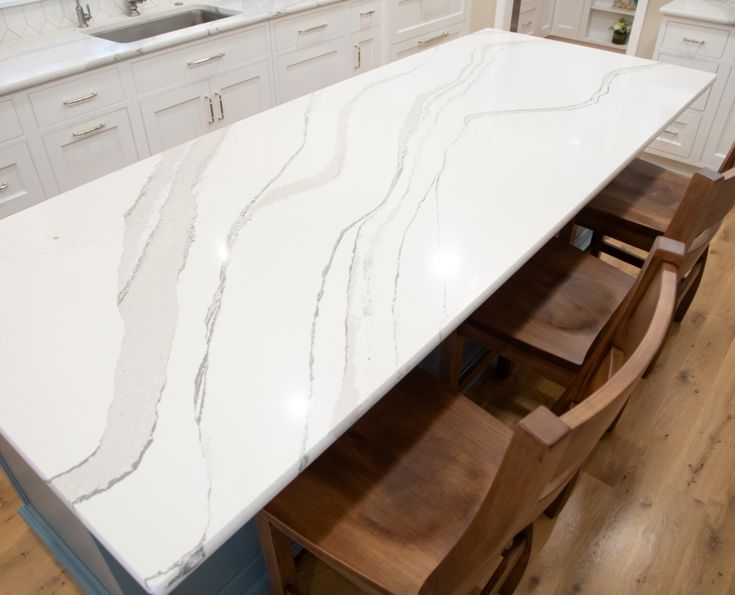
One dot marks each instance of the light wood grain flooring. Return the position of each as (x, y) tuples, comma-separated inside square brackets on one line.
[(654, 509)]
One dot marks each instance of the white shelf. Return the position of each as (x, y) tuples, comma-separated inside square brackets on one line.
[(607, 6)]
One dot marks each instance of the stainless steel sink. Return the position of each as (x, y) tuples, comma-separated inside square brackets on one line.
[(153, 26)]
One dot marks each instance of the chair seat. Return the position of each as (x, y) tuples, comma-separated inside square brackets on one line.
[(554, 306), (392, 496), (637, 206)]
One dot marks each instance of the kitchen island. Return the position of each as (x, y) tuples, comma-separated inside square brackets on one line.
[(180, 338)]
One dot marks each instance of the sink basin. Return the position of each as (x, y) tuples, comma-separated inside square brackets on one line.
[(164, 24)]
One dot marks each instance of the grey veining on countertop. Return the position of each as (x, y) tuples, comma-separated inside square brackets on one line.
[(35, 60)]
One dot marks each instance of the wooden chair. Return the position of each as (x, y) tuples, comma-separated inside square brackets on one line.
[(644, 202), (552, 315), (428, 493)]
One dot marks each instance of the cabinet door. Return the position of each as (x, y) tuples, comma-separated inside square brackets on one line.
[(307, 70), (544, 17), (411, 18), (177, 116), (19, 184), (426, 42), (241, 93), (568, 18), (91, 149), (367, 50), (722, 133)]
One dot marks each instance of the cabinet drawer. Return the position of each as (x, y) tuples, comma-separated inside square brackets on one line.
[(692, 40), (309, 69), (77, 97), (309, 28), (200, 60), (417, 17), (526, 21), (678, 137), (701, 101), (365, 15), (91, 149), (426, 41), (19, 184), (9, 124)]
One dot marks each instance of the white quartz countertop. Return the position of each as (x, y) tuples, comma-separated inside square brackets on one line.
[(711, 11), (49, 56), (180, 338)]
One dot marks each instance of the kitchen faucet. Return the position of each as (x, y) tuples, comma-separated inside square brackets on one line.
[(132, 7), (83, 16)]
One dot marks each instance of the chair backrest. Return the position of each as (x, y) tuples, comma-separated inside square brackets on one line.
[(708, 199), (729, 161), (546, 450)]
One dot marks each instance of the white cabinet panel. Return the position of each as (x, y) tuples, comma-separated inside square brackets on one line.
[(77, 97), (241, 93), (411, 18), (19, 184), (722, 136), (307, 70), (9, 124), (678, 137), (544, 17), (177, 116), (309, 28), (426, 41), (568, 18), (695, 41), (91, 149), (527, 21), (366, 14), (367, 50)]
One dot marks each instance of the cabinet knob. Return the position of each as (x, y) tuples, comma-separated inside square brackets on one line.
[(3, 186)]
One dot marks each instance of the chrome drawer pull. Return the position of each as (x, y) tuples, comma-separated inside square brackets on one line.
[(314, 28), (207, 59), (3, 186), (208, 98), (671, 131), (87, 97), (367, 13), (690, 40), (94, 128), (221, 107), (433, 39), (359, 56)]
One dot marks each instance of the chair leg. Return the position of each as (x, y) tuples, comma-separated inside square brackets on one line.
[(596, 243), (452, 350), (691, 286), (510, 571), (278, 556), (552, 510), (516, 574), (504, 368)]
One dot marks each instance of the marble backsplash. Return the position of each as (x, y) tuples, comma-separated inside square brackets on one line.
[(49, 15)]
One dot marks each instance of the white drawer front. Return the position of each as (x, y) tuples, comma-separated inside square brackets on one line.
[(309, 28), (307, 70), (365, 15), (526, 21), (9, 124), (19, 184), (415, 17), (77, 97), (701, 102), (678, 137), (91, 149), (426, 41), (200, 60), (694, 41)]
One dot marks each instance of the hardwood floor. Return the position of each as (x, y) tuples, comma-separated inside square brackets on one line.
[(654, 510)]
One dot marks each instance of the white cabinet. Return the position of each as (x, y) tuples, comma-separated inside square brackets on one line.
[(568, 18), (19, 184), (412, 18), (91, 149), (702, 135), (309, 69), (367, 50), (176, 116), (429, 40)]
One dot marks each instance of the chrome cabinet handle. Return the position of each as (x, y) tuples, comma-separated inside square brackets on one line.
[(314, 28), (221, 107), (207, 59), (433, 39), (208, 98), (87, 97), (358, 56), (671, 131), (3, 186), (690, 40), (367, 13), (526, 24), (94, 128)]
